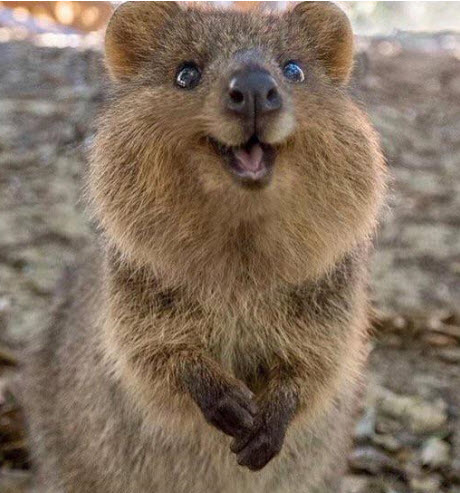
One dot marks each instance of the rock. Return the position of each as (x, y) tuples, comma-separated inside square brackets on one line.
[(391, 340), (449, 355), (387, 442), (420, 415), (435, 453), (454, 473), (439, 340), (372, 461), (387, 425), (427, 484), (364, 484), (365, 429)]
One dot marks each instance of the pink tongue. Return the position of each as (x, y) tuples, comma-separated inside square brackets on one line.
[(252, 160)]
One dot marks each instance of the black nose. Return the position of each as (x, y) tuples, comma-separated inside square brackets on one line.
[(253, 92)]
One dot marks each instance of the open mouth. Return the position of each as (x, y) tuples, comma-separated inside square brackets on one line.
[(251, 164)]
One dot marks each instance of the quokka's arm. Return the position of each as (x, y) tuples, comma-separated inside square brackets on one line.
[(277, 405), (153, 338), (325, 343), (224, 401), (295, 385)]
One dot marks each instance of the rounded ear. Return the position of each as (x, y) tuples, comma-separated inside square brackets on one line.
[(132, 34), (329, 31)]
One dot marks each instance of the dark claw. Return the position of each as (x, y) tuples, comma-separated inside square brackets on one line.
[(240, 442), (257, 448), (232, 412), (260, 449)]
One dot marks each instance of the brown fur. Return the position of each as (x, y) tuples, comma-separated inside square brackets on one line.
[(208, 301)]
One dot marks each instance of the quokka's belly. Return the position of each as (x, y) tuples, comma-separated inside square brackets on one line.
[(311, 461)]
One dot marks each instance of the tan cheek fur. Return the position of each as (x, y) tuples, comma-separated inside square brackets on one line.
[(190, 221)]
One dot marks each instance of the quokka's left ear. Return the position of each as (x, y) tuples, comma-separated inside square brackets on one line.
[(327, 29), (132, 35)]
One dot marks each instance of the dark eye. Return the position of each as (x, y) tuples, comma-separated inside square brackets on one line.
[(293, 72), (188, 76)]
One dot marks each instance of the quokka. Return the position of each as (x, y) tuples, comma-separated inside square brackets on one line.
[(212, 339)]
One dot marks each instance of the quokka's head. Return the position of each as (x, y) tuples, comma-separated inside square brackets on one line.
[(227, 127)]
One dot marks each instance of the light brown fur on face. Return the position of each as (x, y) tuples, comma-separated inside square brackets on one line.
[(214, 300), (330, 159)]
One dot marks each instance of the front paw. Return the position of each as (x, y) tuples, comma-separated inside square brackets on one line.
[(259, 447), (231, 410)]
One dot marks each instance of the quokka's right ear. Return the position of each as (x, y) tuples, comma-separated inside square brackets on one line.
[(132, 33), (326, 28)]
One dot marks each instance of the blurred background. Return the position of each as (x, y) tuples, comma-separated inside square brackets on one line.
[(407, 74)]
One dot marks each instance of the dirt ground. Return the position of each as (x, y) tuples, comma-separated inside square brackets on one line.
[(408, 439)]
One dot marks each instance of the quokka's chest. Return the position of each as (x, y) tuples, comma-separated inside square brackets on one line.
[(247, 346)]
